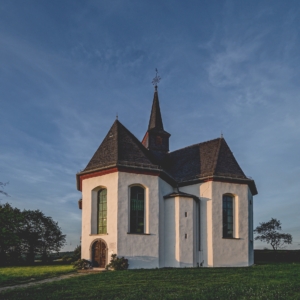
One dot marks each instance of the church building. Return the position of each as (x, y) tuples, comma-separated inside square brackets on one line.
[(190, 207)]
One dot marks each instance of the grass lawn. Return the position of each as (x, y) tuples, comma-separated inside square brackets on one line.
[(18, 275), (270, 281)]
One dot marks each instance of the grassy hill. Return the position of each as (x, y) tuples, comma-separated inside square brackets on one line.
[(266, 281)]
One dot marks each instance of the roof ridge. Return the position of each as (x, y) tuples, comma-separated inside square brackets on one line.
[(194, 145), (217, 155), (101, 150), (223, 144), (117, 139), (145, 151), (234, 158)]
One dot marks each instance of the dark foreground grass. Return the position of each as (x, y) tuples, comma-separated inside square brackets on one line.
[(271, 281), (19, 275)]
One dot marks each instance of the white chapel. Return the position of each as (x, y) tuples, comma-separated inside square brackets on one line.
[(187, 208)]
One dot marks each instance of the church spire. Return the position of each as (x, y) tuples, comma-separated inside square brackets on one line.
[(155, 121), (156, 138)]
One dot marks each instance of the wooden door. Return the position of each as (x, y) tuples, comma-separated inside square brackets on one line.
[(99, 254)]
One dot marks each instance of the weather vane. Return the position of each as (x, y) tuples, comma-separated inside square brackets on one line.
[(156, 79)]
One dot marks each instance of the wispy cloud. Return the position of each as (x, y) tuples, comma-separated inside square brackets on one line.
[(67, 71)]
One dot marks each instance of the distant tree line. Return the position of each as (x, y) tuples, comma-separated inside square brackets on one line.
[(268, 255), (25, 234)]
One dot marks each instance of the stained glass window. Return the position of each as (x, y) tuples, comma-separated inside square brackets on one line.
[(137, 195), (102, 211), (227, 216)]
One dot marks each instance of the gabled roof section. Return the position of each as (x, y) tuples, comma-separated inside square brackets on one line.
[(155, 121), (107, 153), (120, 147), (226, 164), (212, 158), (184, 163), (131, 151)]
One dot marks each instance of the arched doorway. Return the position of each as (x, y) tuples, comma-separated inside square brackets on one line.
[(99, 254)]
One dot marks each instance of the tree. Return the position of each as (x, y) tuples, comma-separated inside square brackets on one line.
[(40, 235), (52, 239), (11, 221), (27, 233), (268, 232), (30, 233)]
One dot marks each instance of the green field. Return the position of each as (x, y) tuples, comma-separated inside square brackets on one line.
[(270, 281), (19, 275)]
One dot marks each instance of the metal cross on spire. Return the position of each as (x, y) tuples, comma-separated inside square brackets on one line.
[(156, 79)]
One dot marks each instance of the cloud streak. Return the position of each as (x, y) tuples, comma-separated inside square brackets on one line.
[(66, 70)]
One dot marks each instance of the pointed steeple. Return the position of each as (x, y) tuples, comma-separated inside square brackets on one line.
[(156, 138), (155, 121)]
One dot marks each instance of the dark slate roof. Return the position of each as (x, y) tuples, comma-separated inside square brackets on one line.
[(212, 158), (120, 147), (180, 194), (155, 121), (226, 164)]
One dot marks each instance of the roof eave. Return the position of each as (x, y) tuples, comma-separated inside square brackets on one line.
[(181, 194), (84, 172), (123, 167), (249, 182)]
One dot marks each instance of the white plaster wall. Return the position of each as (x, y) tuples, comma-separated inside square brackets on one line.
[(165, 223), (90, 187), (196, 254), (187, 225), (171, 243), (164, 189), (204, 191), (230, 252), (142, 250), (180, 232), (251, 238), (214, 250)]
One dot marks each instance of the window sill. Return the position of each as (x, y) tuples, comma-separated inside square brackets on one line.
[(96, 234), (138, 233), (230, 238)]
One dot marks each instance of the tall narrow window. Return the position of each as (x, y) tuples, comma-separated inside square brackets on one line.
[(102, 211), (137, 203), (227, 216)]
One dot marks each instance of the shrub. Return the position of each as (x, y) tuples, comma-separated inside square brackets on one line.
[(67, 258), (117, 263), (77, 253), (72, 257), (82, 264)]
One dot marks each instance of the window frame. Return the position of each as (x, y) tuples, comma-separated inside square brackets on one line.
[(138, 216), (228, 202), (104, 216)]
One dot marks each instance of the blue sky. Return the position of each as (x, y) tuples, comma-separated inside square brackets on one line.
[(68, 67)]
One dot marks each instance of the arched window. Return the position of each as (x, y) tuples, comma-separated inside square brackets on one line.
[(102, 211), (227, 216), (137, 204)]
